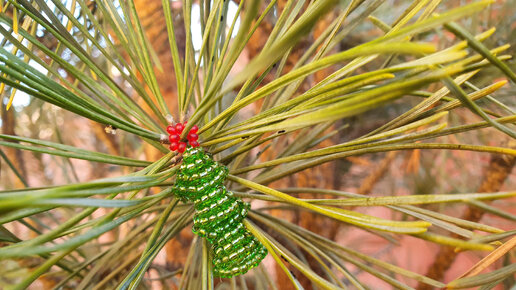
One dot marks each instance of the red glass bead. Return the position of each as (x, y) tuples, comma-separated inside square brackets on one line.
[(173, 146), (182, 147), (171, 129), (194, 143), (179, 128), (194, 129), (174, 138), (192, 137)]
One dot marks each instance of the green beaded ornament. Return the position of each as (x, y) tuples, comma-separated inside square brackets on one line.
[(218, 214)]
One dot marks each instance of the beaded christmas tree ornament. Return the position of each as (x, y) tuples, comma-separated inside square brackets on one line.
[(218, 213)]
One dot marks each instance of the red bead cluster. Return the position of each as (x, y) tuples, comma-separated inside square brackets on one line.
[(175, 137)]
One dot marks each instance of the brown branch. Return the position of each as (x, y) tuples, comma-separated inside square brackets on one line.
[(495, 174), (372, 179), (14, 155)]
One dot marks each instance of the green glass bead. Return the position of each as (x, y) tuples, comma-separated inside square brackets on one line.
[(218, 214)]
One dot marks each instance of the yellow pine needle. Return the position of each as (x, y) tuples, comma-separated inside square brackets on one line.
[(15, 19), (26, 23), (11, 99), (93, 74), (69, 25), (491, 258)]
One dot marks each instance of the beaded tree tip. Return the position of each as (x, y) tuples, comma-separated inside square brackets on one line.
[(218, 214)]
